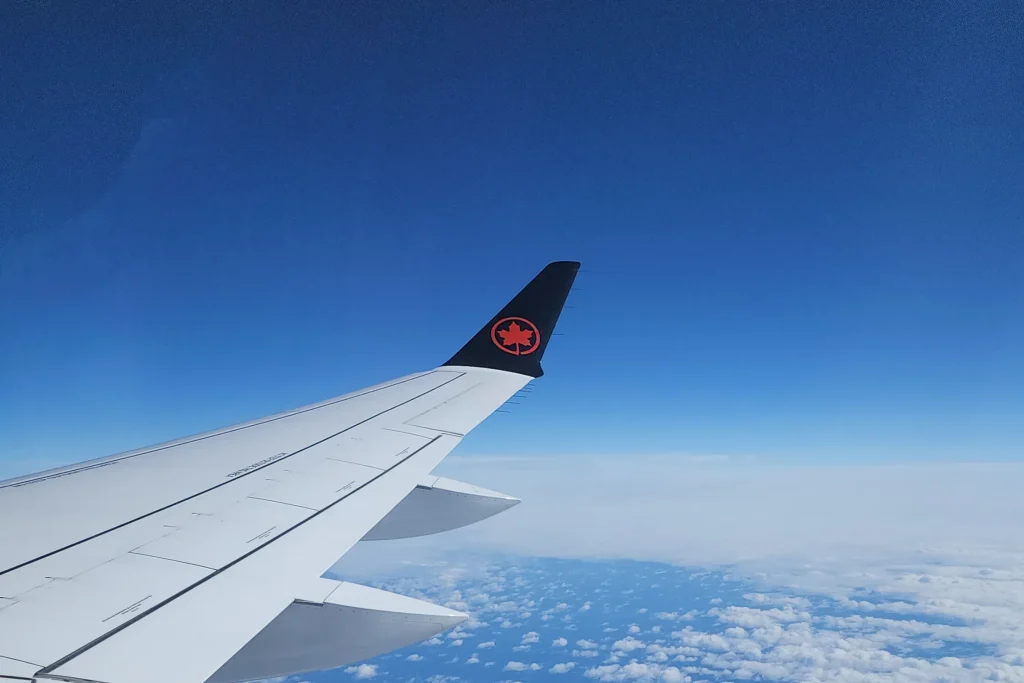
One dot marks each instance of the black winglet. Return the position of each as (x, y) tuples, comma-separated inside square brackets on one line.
[(515, 339)]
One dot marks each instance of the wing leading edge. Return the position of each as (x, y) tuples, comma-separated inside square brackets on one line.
[(200, 559)]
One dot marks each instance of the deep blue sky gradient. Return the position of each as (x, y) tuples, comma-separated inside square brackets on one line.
[(802, 227)]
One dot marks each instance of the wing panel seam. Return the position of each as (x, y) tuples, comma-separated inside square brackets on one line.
[(223, 483), (45, 671)]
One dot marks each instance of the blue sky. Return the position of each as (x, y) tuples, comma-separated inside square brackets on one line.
[(801, 228)]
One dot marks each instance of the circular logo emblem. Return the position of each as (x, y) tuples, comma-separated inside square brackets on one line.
[(517, 336)]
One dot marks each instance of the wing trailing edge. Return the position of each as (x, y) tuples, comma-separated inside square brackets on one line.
[(352, 623), (439, 505)]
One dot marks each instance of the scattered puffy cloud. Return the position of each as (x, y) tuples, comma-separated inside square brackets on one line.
[(563, 667), (559, 642), (615, 673), (586, 644), (676, 616), (414, 657), (628, 644), (793, 644), (530, 637), (521, 666), (489, 643), (633, 628), (362, 671)]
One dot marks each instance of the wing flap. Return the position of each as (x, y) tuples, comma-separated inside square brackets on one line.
[(218, 541), (220, 614), (49, 622), (13, 669), (379, 448), (439, 505), (319, 485), (353, 623)]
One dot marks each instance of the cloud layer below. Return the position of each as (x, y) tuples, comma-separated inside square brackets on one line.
[(696, 512), (946, 541)]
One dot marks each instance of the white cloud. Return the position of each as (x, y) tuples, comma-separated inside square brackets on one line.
[(516, 666), (799, 645), (628, 644), (363, 670), (945, 539), (615, 673), (414, 657), (633, 628), (604, 507), (559, 642), (585, 653), (473, 660), (673, 675), (489, 643), (561, 668), (531, 637), (455, 643), (676, 616)]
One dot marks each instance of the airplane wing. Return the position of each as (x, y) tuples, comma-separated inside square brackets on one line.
[(202, 559)]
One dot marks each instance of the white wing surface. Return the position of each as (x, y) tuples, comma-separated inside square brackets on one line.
[(202, 559)]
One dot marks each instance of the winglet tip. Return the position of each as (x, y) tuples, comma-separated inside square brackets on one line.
[(515, 338)]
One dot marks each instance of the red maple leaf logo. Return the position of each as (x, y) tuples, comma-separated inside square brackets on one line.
[(516, 335)]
